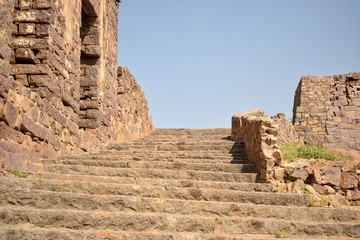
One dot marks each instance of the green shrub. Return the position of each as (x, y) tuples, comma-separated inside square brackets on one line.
[(20, 174), (282, 234), (292, 152)]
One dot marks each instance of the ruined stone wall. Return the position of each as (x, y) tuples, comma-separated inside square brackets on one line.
[(327, 111), (59, 79), (259, 133), (132, 108)]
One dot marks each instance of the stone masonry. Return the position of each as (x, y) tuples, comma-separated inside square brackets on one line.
[(327, 111), (59, 83)]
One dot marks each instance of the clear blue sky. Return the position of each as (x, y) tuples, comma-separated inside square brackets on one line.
[(201, 61)]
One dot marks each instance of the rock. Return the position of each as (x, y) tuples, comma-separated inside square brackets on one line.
[(298, 186), (331, 176), (348, 180), (346, 166), (289, 168), (356, 195), (299, 174), (318, 188), (290, 186), (316, 177), (329, 190), (11, 114), (301, 163), (310, 189), (279, 173)]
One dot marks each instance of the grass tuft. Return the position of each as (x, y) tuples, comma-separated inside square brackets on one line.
[(292, 152), (20, 174), (282, 234)]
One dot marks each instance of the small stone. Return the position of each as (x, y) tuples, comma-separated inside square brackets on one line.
[(318, 188), (329, 190), (301, 163), (298, 186), (299, 174), (310, 189)]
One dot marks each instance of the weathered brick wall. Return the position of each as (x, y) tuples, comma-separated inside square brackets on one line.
[(327, 110), (61, 85)]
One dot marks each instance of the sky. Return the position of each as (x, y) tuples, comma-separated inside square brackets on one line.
[(201, 61)]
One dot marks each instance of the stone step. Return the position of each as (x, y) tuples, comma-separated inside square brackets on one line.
[(163, 147), (198, 194), (221, 167), (147, 222), (41, 199), (10, 232), (129, 157), (37, 179), (151, 173), (173, 154)]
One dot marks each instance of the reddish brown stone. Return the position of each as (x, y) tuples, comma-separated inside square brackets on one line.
[(33, 128), (11, 134), (11, 114), (24, 55), (27, 29), (331, 176), (348, 180)]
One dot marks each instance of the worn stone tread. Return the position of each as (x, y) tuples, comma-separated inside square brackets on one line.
[(170, 223), (241, 186), (152, 173), (223, 167), (47, 199), (12, 233), (205, 194)]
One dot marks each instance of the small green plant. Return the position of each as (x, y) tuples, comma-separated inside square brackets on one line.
[(292, 152), (282, 234), (305, 191), (20, 174)]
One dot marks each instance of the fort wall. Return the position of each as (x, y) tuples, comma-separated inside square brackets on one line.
[(59, 80)]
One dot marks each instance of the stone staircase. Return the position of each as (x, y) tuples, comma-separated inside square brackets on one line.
[(175, 184)]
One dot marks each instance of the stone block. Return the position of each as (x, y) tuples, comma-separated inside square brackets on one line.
[(25, 4), (11, 114), (89, 104), (331, 176), (27, 29), (39, 80), (43, 4), (42, 30), (33, 43), (34, 16), (89, 123), (92, 51), (22, 79), (38, 69), (299, 174), (24, 55), (9, 133), (51, 111), (33, 128), (348, 180)]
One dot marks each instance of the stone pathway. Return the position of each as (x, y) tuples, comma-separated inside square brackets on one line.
[(176, 184)]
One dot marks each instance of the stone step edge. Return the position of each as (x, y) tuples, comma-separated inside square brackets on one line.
[(153, 215), (154, 169), (109, 234), (201, 202), (188, 188), (136, 179)]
